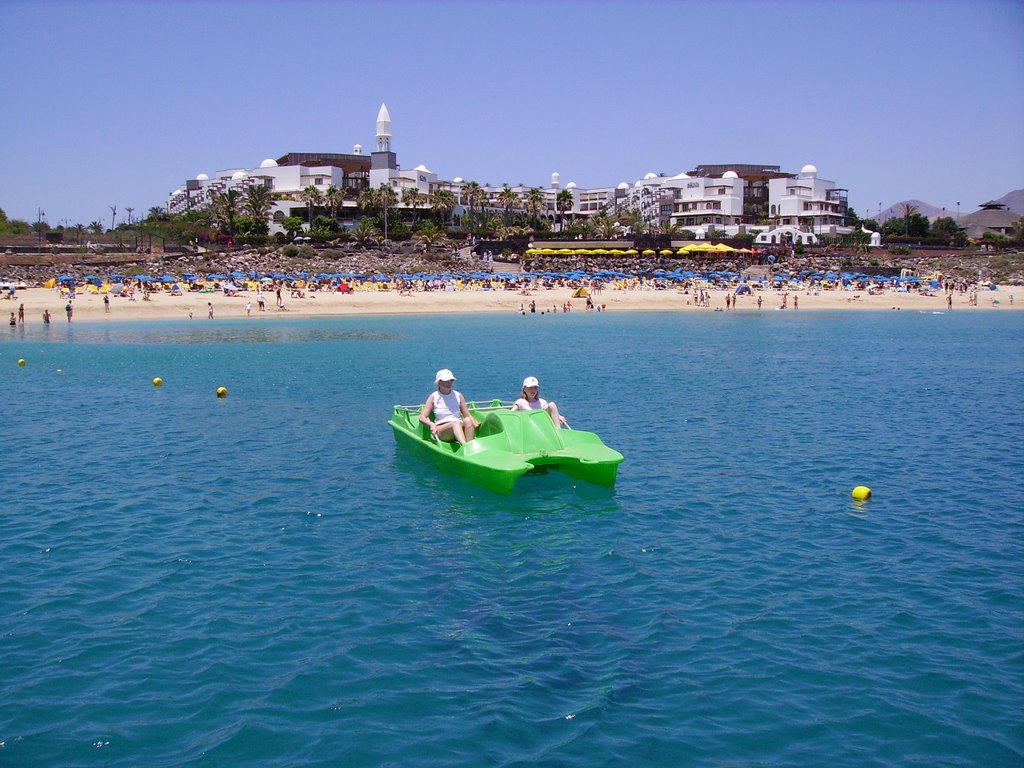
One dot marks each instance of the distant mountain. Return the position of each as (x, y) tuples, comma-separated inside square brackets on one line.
[(895, 211), (1014, 201)]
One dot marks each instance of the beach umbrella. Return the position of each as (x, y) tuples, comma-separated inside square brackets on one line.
[(168, 279)]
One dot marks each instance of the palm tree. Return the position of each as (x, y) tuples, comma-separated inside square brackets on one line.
[(369, 201), (494, 225), (908, 211), (443, 203), (412, 197), (258, 202), (606, 227), (472, 194), (430, 235), (534, 203), (509, 199), (334, 198), (312, 197), (388, 199), (225, 210), (564, 202), (365, 233)]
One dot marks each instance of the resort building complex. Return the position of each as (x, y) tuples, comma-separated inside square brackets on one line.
[(721, 200)]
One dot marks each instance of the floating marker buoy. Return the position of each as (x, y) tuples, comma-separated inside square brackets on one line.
[(158, 382), (222, 391), (21, 361), (861, 492)]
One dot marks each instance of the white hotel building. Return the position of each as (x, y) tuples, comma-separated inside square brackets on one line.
[(799, 206)]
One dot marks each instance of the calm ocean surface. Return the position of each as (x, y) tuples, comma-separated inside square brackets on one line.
[(267, 580)]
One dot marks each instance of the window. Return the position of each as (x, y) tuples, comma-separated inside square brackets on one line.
[(318, 181), (268, 183), (721, 190)]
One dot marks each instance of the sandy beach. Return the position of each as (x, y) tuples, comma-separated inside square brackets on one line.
[(89, 307)]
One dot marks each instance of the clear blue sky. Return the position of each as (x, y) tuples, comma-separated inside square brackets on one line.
[(117, 103)]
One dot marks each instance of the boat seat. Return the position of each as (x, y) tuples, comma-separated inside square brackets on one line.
[(529, 435)]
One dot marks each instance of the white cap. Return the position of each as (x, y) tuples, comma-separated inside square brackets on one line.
[(531, 381), (444, 375)]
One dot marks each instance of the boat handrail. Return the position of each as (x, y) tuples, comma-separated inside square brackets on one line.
[(474, 405)]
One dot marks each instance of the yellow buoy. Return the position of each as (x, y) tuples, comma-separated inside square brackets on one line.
[(861, 492), (158, 382), (222, 391), (21, 361)]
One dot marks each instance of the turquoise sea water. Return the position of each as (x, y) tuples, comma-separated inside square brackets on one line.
[(267, 580)]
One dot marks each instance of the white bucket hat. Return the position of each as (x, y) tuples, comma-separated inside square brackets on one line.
[(531, 381), (444, 375)]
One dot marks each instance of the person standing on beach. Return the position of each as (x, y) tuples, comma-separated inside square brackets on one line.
[(209, 310), (21, 314), (758, 302), (248, 309), (70, 310), (14, 320), (106, 303), (949, 301), (46, 317)]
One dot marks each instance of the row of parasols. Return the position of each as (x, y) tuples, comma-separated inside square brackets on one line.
[(686, 249)]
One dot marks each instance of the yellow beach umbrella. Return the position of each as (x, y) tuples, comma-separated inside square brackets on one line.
[(649, 252), (667, 252)]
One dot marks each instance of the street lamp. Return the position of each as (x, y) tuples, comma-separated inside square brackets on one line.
[(39, 226), (958, 213)]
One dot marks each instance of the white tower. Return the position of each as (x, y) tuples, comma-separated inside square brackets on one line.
[(383, 129), (383, 162)]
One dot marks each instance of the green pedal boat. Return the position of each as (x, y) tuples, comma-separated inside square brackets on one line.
[(507, 445)]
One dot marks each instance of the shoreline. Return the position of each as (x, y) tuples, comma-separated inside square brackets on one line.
[(163, 306)]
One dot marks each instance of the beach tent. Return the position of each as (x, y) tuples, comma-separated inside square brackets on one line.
[(580, 293)]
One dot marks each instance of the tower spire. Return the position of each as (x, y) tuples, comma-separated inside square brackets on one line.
[(383, 129)]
